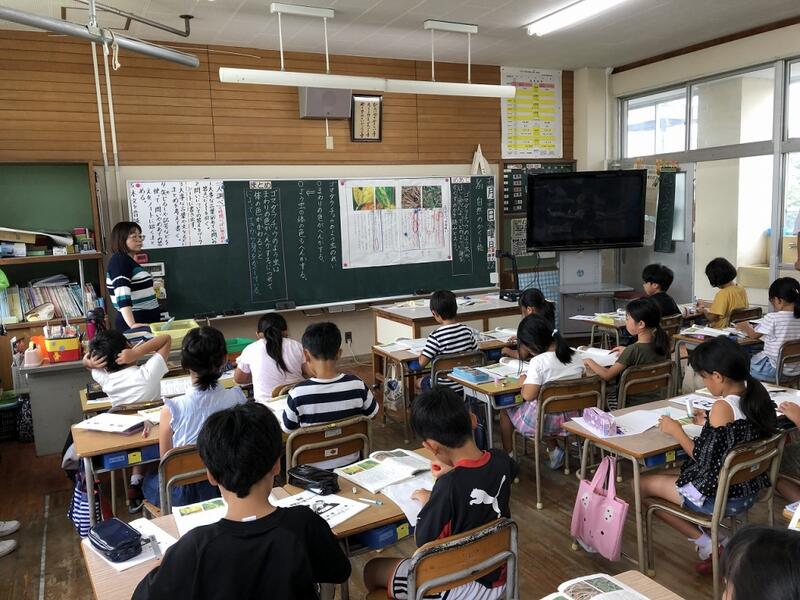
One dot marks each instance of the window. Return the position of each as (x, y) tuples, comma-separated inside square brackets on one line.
[(793, 100), (732, 110), (791, 208), (655, 124)]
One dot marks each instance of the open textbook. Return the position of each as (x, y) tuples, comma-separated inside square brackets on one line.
[(383, 468), (604, 358), (113, 423), (506, 367), (500, 333), (594, 587), (412, 345)]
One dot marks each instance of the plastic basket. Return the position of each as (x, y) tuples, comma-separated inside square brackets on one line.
[(236, 345), (177, 331)]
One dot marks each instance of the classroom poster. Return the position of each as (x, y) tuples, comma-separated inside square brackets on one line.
[(394, 221), (174, 214), (531, 121)]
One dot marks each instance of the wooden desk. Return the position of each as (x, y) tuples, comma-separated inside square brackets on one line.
[(496, 396), (646, 586), (403, 319), (636, 448)]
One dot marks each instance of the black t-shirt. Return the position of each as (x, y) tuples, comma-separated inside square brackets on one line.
[(472, 494), (665, 304), (281, 555)]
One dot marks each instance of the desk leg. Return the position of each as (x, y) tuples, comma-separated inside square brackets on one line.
[(678, 367), (88, 469), (591, 340), (637, 496), (489, 424), (584, 462)]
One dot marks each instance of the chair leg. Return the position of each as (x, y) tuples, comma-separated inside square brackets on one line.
[(566, 455), (651, 561), (715, 558), (536, 445)]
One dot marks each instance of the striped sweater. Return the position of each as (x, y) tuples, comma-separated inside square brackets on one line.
[(449, 339), (317, 401), (129, 284)]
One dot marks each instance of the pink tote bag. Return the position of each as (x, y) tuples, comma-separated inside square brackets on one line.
[(598, 518)]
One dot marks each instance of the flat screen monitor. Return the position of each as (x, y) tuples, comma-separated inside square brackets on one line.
[(584, 210)]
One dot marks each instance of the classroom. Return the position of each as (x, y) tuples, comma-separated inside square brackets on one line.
[(400, 299)]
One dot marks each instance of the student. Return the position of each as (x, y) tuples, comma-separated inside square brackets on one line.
[(256, 550), (743, 412), (775, 328), (330, 395), (643, 320), (730, 296), (114, 365), (790, 460), (462, 472), (451, 337), (204, 354), (761, 562), (271, 361), (531, 302), (552, 359), (656, 280)]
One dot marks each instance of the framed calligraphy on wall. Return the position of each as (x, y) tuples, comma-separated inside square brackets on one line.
[(366, 120)]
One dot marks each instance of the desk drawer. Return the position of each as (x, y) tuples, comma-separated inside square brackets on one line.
[(124, 458)]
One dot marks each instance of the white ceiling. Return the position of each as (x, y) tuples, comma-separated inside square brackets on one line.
[(631, 31)]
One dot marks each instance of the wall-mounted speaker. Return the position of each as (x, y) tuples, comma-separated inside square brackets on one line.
[(324, 103)]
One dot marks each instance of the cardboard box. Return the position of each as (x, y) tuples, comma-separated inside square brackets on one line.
[(13, 235)]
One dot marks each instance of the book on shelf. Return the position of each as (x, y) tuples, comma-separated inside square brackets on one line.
[(597, 587), (67, 300), (383, 468)]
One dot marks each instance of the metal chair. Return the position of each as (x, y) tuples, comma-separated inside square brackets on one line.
[(745, 314), (179, 466), (672, 326), (743, 463), (280, 390), (561, 396), (318, 443), (789, 355), (642, 379), (460, 559), (444, 363)]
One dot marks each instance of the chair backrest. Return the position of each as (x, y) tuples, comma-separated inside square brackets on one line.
[(564, 395), (672, 324), (179, 466), (789, 355), (748, 461), (318, 443), (644, 379), (134, 407), (282, 389), (447, 563), (745, 314), (444, 363)]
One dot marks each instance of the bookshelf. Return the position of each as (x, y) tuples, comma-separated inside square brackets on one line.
[(31, 260)]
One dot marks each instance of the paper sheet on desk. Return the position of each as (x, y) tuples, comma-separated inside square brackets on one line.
[(400, 494), (604, 358), (200, 513), (689, 427), (632, 423), (392, 347), (698, 401), (334, 509), (146, 528)]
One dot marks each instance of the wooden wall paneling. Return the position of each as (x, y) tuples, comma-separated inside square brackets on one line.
[(567, 113)]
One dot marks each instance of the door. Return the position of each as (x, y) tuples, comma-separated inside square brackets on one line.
[(681, 259)]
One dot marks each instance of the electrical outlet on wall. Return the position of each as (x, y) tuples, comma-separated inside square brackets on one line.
[(348, 337)]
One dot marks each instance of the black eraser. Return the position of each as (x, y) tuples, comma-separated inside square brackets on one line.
[(422, 292), (233, 312), (287, 305), (199, 316)]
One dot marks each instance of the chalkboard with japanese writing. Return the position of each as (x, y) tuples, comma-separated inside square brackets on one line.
[(284, 245)]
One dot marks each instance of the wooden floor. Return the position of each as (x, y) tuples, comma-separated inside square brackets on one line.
[(48, 562)]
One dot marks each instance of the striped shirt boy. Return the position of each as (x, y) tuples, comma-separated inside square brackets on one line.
[(449, 339), (318, 401), (776, 329)]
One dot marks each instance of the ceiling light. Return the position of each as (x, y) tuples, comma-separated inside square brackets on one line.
[(302, 11), (450, 26), (442, 88), (574, 13)]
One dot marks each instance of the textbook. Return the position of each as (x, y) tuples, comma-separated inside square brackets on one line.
[(151, 414), (506, 367), (470, 374), (113, 423), (594, 587), (412, 345), (501, 334), (383, 468), (175, 386), (604, 358)]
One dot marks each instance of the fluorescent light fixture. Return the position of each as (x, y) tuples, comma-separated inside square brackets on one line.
[(449, 26), (303, 11), (574, 13), (372, 84)]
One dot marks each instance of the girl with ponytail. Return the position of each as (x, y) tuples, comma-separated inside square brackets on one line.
[(552, 359), (742, 412), (776, 328), (531, 302), (271, 361)]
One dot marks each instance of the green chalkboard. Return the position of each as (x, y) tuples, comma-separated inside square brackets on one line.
[(285, 246)]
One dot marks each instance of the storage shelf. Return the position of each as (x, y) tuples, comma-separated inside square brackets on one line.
[(32, 324), (29, 260)]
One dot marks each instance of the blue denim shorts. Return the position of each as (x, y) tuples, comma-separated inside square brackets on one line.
[(762, 369), (733, 507)]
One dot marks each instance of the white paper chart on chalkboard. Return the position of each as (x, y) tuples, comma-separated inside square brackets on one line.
[(174, 214), (394, 221)]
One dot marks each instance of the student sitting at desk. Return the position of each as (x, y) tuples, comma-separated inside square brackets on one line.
[(204, 354), (552, 359), (330, 395), (451, 337), (462, 473), (531, 302), (643, 320), (114, 365), (656, 280), (273, 360), (743, 412), (257, 550), (760, 562), (730, 296), (775, 328)]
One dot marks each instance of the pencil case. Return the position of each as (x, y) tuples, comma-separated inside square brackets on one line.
[(314, 479), (116, 540)]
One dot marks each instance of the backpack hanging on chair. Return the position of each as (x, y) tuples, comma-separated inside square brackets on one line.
[(392, 387)]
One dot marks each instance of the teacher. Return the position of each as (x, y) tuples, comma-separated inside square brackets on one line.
[(129, 285)]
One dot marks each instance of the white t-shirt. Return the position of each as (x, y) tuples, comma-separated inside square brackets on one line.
[(546, 367), (266, 374), (138, 383), (776, 328)]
